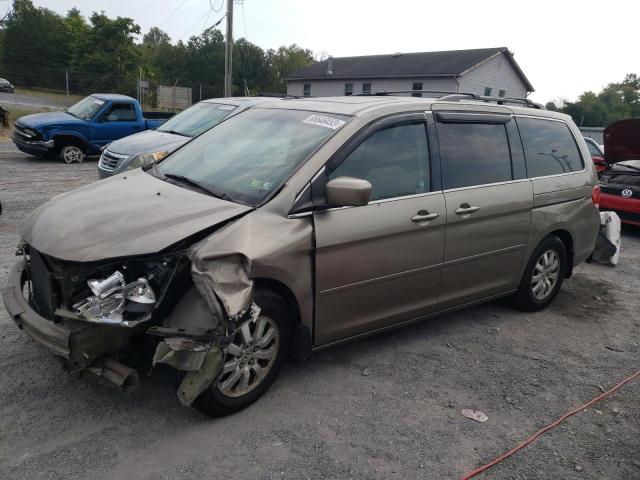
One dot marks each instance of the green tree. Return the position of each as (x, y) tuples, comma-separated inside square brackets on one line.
[(250, 71), (616, 101), (283, 62), (36, 46), (107, 57)]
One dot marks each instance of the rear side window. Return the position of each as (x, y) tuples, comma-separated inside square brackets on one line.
[(549, 147), (394, 160), (593, 150), (473, 154)]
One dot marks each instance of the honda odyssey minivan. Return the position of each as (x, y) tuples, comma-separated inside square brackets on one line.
[(299, 224)]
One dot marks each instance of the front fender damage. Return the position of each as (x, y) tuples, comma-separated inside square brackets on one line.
[(203, 323), (223, 268)]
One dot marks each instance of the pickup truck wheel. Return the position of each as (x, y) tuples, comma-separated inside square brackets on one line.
[(71, 154), (253, 359)]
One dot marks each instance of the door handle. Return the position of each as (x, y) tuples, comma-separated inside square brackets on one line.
[(466, 209), (424, 216)]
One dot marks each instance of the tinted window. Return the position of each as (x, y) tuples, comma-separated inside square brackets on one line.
[(366, 88), (473, 154), (549, 147), (306, 90), (348, 89), (414, 87), (393, 160), (121, 112)]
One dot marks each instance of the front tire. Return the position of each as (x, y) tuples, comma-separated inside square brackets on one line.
[(253, 360), (71, 153), (543, 276)]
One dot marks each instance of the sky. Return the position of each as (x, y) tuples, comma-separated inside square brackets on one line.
[(563, 47)]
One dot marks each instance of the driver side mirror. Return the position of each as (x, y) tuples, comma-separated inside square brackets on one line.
[(347, 192)]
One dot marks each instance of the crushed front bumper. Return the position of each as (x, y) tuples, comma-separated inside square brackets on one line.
[(79, 342), (53, 336)]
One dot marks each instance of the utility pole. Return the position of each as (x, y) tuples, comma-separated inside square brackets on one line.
[(228, 52)]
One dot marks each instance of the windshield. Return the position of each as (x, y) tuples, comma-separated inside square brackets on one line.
[(86, 108), (196, 119), (251, 154)]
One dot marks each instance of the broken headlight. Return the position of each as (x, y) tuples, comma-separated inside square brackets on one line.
[(111, 296)]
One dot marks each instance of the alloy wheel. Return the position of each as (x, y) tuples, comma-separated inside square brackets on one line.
[(545, 274), (72, 154), (249, 357)]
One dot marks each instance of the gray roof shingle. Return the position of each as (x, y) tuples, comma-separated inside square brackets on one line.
[(452, 63)]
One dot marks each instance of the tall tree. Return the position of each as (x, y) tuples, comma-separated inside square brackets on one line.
[(109, 59), (36, 45), (283, 62)]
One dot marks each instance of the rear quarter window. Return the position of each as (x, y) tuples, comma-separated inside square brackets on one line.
[(549, 147)]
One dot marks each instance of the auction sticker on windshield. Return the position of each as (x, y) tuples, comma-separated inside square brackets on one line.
[(324, 121), (260, 184)]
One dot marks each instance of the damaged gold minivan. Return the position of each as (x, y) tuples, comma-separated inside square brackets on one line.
[(299, 224)]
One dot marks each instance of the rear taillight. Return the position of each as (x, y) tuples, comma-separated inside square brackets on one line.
[(595, 196)]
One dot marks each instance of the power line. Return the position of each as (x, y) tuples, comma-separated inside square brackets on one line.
[(172, 13), (214, 8)]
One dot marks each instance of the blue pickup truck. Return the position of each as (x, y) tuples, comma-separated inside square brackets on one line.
[(84, 128)]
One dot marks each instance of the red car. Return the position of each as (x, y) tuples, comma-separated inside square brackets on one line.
[(620, 180)]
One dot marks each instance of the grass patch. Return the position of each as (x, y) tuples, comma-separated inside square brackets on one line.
[(60, 96)]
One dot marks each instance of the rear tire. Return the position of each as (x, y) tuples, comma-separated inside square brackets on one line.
[(543, 276), (246, 377), (71, 154)]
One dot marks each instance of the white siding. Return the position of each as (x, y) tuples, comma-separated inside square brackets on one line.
[(497, 73), (333, 88)]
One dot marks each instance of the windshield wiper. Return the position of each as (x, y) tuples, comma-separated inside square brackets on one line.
[(72, 114), (201, 186), (175, 133)]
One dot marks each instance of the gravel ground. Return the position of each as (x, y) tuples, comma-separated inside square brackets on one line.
[(386, 407)]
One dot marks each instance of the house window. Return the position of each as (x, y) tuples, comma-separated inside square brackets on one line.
[(502, 93), (416, 86), (487, 91), (366, 88), (348, 89), (306, 90)]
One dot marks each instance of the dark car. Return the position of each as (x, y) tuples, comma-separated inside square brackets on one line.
[(6, 86), (620, 180)]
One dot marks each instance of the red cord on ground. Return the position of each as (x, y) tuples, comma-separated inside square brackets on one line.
[(549, 427)]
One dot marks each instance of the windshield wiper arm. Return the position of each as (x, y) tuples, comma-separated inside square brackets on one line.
[(72, 114), (201, 186), (174, 132)]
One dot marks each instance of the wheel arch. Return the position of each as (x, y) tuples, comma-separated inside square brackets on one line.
[(567, 239), (301, 340), (64, 139)]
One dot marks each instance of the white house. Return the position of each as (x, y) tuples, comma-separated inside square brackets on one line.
[(487, 71)]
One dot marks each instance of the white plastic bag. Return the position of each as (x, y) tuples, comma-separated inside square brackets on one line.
[(611, 230)]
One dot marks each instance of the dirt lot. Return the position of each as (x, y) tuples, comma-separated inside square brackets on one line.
[(386, 407)]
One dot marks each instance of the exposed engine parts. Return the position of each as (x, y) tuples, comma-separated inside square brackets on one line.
[(110, 299)]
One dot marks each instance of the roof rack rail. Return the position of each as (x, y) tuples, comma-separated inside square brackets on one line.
[(450, 96), (395, 92), (456, 97), (282, 95)]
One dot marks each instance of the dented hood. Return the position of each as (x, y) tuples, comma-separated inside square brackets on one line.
[(622, 141), (132, 214)]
